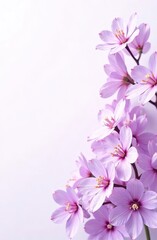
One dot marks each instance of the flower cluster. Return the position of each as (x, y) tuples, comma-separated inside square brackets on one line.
[(115, 193)]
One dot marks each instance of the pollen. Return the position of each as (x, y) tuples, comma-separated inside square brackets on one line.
[(134, 206), (102, 182)]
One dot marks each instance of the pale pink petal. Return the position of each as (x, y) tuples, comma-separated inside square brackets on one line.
[(118, 48), (97, 168), (105, 46), (148, 95), (121, 63), (132, 155), (135, 188), (60, 215), (118, 24), (149, 200), (100, 133), (97, 200), (72, 194), (119, 110), (124, 170), (72, 225), (153, 64), (108, 37), (132, 37), (134, 225), (109, 88), (146, 47), (144, 162), (149, 217), (61, 197), (138, 73), (125, 137), (132, 24), (136, 90)]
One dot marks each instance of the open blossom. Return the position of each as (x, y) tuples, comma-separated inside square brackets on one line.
[(134, 208), (146, 79), (96, 189), (70, 210), (140, 43), (118, 80), (120, 36), (149, 164), (109, 118), (102, 228)]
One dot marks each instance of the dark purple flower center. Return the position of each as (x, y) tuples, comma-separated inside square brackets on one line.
[(135, 205), (109, 226), (128, 80), (71, 207)]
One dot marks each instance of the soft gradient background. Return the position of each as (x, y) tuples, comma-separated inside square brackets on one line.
[(50, 75)]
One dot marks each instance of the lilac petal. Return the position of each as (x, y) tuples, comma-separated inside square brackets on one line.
[(102, 214), (117, 25), (108, 37), (124, 170), (149, 200), (94, 227), (120, 215), (136, 90), (144, 162), (144, 34), (115, 235), (107, 90), (153, 64), (120, 196), (135, 188), (149, 217), (61, 197), (72, 195), (121, 63), (134, 225), (138, 73), (146, 47), (97, 168), (100, 133), (148, 94), (132, 155), (147, 178), (72, 225), (97, 200), (105, 46), (131, 24), (132, 37), (118, 48), (125, 137), (119, 110), (60, 215), (153, 185), (154, 161)]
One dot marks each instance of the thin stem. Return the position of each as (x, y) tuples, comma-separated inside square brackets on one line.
[(153, 103), (136, 60), (147, 232), (119, 185), (135, 170)]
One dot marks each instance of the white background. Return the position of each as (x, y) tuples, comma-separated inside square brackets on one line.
[(50, 75)]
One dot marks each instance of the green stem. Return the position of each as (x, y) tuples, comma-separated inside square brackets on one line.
[(147, 232)]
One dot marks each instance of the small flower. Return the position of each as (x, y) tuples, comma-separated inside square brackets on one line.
[(149, 164), (120, 36), (109, 119), (139, 44), (102, 228), (118, 80), (134, 207), (146, 79), (94, 190), (70, 210)]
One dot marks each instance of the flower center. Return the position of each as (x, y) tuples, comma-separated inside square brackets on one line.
[(109, 226), (150, 79), (135, 206), (120, 35), (128, 80), (71, 207), (119, 152), (102, 182), (109, 122)]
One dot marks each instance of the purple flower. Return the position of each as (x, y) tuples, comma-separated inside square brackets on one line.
[(94, 190), (109, 118), (119, 151), (102, 227), (120, 36), (134, 207), (149, 164), (146, 79), (70, 210), (82, 164), (139, 44), (118, 80)]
